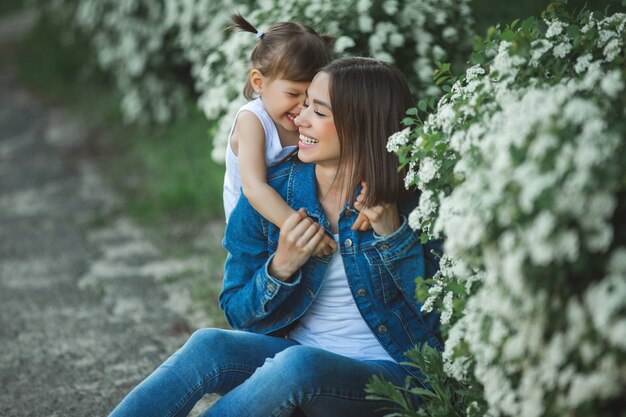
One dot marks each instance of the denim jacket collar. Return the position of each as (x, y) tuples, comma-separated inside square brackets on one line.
[(303, 191)]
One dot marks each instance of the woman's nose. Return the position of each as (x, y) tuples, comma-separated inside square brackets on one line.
[(301, 118)]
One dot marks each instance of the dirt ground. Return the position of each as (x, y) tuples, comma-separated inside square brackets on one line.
[(86, 307)]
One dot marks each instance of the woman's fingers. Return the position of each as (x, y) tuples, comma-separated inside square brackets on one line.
[(292, 221), (307, 233), (366, 225), (315, 240), (360, 220)]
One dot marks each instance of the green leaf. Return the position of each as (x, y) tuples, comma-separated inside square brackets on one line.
[(508, 35), (573, 31), (423, 392), (422, 105)]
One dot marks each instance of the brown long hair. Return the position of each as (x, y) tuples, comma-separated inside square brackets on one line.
[(369, 99), (288, 50)]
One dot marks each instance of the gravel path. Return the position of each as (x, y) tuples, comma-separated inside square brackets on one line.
[(87, 304)]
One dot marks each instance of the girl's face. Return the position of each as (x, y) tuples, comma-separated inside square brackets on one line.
[(282, 100), (319, 142)]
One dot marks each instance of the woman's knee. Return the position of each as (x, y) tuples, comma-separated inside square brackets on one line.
[(300, 363), (208, 343)]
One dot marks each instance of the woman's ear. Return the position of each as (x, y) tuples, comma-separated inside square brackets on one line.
[(256, 80)]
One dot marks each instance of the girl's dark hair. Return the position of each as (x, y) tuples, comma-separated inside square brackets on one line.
[(369, 99), (288, 50)]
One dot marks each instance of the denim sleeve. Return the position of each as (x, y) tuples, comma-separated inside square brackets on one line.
[(392, 247), (249, 293)]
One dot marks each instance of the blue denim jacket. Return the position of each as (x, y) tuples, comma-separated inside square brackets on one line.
[(381, 271)]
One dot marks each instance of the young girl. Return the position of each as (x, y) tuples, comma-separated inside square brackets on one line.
[(311, 332), (284, 61)]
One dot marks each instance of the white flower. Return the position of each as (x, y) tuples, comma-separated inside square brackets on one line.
[(398, 139), (612, 83), (473, 72), (562, 49), (446, 314), (539, 48), (555, 28), (428, 170), (582, 63), (344, 42), (450, 33), (390, 7), (611, 50), (366, 23), (414, 220)]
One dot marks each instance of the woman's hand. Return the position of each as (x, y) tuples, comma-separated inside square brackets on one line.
[(327, 246), (384, 218), (299, 238), (361, 223)]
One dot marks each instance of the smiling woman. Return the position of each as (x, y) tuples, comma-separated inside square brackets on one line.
[(319, 141), (352, 314)]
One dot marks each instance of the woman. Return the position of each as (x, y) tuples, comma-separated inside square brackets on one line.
[(311, 331)]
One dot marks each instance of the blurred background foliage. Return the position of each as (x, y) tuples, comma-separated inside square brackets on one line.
[(164, 171)]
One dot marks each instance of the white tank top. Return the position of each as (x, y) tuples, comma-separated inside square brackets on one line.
[(274, 153), (333, 321)]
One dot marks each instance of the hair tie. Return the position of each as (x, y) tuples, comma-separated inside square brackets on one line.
[(260, 34)]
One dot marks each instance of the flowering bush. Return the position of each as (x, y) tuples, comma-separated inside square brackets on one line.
[(134, 43), (522, 168), (414, 34), (160, 51)]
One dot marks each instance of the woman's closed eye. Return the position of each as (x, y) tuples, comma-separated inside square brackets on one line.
[(306, 105)]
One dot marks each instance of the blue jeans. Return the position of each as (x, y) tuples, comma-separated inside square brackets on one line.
[(258, 375)]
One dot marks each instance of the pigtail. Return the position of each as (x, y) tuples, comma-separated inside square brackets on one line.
[(240, 23)]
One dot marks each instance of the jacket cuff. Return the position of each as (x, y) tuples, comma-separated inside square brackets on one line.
[(397, 242), (271, 286)]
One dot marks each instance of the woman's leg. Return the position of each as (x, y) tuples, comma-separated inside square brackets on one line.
[(318, 382), (211, 361)]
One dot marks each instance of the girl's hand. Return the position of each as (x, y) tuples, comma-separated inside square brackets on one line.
[(299, 237), (384, 218)]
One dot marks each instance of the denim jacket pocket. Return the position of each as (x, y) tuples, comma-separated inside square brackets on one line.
[(397, 283)]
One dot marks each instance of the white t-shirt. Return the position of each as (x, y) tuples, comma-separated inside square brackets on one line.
[(333, 321), (274, 153)]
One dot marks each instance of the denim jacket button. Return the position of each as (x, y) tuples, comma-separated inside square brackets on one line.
[(271, 287), (348, 243), (382, 329), (362, 292), (384, 246)]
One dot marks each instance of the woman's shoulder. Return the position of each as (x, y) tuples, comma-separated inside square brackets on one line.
[(289, 173)]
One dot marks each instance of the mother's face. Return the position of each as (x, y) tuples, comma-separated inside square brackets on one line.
[(319, 142)]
